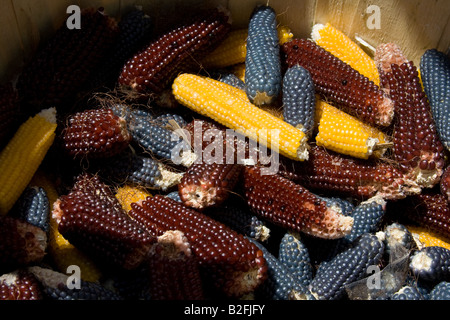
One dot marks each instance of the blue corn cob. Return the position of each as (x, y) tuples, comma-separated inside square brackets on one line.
[(299, 99), (33, 207), (295, 256), (435, 73), (408, 293), (241, 220), (262, 61), (231, 79), (397, 235), (367, 217), (156, 134), (441, 291), (280, 283), (347, 267), (431, 264), (339, 204), (139, 170), (174, 195), (56, 287), (135, 30)]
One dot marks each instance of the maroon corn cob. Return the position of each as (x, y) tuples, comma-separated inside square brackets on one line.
[(92, 219), (327, 171), (430, 209), (174, 271), (97, 133), (337, 81), (417, 147), (21, 244), (9, 110), (445, 183), (61, 68), (204, 185), (234, 264), (292, 206), (20, 285), (178, 50)]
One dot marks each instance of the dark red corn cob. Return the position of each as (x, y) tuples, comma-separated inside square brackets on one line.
[(417, 147), (62, 67), (232, 263), (9, 110), (19, 285), (97, 133), (174, 271), (289, 205), (326, 171), (92, 219), (429, 209), (21, 244), (155, 66), (204, 185), (445, 183), (337, 81)]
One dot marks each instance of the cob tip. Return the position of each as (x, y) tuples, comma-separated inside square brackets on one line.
[(315, 32), (48, 114)]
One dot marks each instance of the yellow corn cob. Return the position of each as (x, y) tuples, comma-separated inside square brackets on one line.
[(343, 133), (341, 46), (228, 106), (128, 194), (426, 238), (61, 251), (234, 48), (23, 154)]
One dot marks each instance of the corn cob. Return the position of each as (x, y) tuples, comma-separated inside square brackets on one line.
[(157, 136), (344, 48), (95, 133), (431, 264), (92, 219), (280, 283), (237, 217), (398, 235), (174, 270), (9, 111), (408, 293), (59, 70), (347, 267), (426, 238), (56, 287), (292, 206), (367, 217), (127, 194), (299, 99), (234, 265), (233, 49), (430, 209), (33, 207), (435, 72), (62, 253), (179, 50), (23, 154), (22, 244), (204, 185), (229, 78), (338, 82), (226, 105), (444, 184), (138, 170), (417, 147), (338, 204), (262, 61), (19, 285), (343, 133), (135, 30), (441, 291), (328, 171), (295, 256), (174, 195)]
